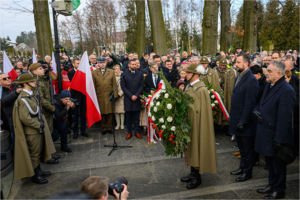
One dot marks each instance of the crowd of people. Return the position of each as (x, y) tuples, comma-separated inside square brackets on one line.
[(245, 81)]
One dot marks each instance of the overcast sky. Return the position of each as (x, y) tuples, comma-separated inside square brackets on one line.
[(12, 23)]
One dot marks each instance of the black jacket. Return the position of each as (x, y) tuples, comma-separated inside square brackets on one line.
[(295, 77), (60, 108), (8, 101), (124, 60), (262, 84), (149, 85), (143, 63)]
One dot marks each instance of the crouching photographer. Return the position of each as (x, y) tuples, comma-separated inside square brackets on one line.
[(99, 188), (62, 104)]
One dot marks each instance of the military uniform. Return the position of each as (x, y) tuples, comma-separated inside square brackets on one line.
[(201, 150), (44, 90), (210, 77), (30, 145), (227, 78)]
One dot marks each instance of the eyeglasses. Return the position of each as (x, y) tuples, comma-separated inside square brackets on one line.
[(6, 78)]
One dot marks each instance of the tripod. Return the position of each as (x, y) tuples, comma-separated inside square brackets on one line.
[(111, 98)]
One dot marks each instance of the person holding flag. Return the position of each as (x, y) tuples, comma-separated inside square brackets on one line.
[(8, 68)]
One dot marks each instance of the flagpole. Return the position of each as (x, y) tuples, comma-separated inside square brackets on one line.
[(56, 53)]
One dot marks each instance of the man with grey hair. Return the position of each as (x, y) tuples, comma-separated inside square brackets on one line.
[(195, 60), (258, 61), (47, 59), (163, 59), (274, 114)]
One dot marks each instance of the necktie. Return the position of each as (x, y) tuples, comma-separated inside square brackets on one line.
[(155, 79), (271, 86)]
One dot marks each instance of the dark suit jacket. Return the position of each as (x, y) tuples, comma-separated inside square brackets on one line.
[(149, 82), (262, 84), (132, 84), (276, 109), (74, 93), (125, 66), (243, 101)]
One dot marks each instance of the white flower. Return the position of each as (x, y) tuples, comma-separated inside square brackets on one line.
[(163, 127), (161, 120), (169, 119), (155, 109), (158, 103), (151, 104), (169, 106), (166, 95), (216, 102), (213, 105), (153, 118), (173, 128), (211, 90), (149, 115), (212, 96), (163, 91), (208, 91)]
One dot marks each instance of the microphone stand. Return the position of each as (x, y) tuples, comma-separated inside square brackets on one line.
[(114, 146)]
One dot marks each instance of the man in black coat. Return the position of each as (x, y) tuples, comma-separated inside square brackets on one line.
[(241, 124), (125, 64), (152, 79), (261, 78), (125, 59), (144, 60), (132, 84), (81, 99), (8, 100), (274, 115), (290, 66)]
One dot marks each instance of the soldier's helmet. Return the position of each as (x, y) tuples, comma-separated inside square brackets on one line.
[(196, 69), (204, 60), (223, 62), (26, 78)]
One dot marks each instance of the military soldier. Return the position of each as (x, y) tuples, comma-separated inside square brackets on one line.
[(210, 76), (227, 78), (29, 143), (105, 82), (36, 69), (201, 151)]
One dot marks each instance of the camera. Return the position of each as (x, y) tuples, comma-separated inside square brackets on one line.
[(67, 65), (75, 101), (117, 186)]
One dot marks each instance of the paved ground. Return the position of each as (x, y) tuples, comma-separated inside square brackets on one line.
[(149, 172)]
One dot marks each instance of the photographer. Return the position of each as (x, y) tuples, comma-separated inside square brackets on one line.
[(62, 104), (98, 187), (111, 59)]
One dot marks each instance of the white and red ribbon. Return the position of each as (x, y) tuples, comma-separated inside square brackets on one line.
[(219, 99)]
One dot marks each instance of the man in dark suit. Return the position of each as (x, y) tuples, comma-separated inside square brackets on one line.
[(274, 115), (241, 124), (82, 104), (132, 85), (125, 64), (152, 79), (156, 58)]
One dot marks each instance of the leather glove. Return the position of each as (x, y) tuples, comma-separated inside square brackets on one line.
[(240, 126), (114, 100), (257, 116), (41, 124), (277, 146)]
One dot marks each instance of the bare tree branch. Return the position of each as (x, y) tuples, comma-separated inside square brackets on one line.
[(15, 5)]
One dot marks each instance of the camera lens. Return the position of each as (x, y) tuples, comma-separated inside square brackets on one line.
[(117, 186)]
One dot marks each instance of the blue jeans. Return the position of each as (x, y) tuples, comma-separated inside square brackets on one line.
[(82, 108), (136, 118), (62, 133)]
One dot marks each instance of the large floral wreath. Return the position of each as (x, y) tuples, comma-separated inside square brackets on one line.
[(168, 115)]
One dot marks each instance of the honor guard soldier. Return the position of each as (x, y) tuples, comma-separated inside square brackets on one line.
[(211, 76), (33, 138), (227, 78), (36, 69), (201, 150)]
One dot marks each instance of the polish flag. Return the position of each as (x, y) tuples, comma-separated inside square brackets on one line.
[(54, 71), (83, 82), (33, 56), (8, 68)]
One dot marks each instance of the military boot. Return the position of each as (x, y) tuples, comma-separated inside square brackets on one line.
[(37, 178), (189, 177), (42, 173)]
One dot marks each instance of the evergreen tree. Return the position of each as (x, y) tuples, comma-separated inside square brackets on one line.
[(238, 32), (22, 37), (184, 36), (131, 27), (168, 35), (269, 25), (3, 44), (293, 37), (7, 38), (196, 43)]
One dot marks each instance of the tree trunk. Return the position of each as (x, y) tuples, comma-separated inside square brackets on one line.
[(141, 25), (225, 25), (158, 27), (250, 35), (43, 28), (210, 27)]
